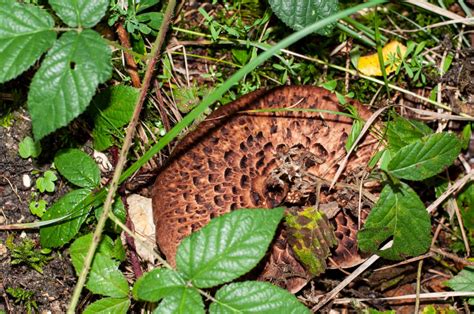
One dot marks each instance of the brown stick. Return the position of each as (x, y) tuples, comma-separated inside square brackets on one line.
[(131, 64)]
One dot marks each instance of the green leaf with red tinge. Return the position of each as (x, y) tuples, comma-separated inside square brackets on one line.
[(399, 214)]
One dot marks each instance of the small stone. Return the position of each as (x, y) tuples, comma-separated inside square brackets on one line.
[(23, 234), (2, 220), (3, 249), (26, 181)]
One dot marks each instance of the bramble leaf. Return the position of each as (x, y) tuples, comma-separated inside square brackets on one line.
[(255, 297), (67, 79), (26, 32), (108, 306), (228, 247), (425, 157), (80, 13), (299, 14), (106, 279), (399, 214), (157, 284), (186, 301), (463, 281)]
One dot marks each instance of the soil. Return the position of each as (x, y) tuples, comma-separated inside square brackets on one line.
[(52, 288)]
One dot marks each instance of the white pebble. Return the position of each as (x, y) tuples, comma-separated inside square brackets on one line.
[(26, 181)]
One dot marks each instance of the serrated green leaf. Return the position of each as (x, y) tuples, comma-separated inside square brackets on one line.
[(298, 14), (29, 148), (108, 306), (401, 132), (464, 281), (255, 297), (26, 32), (228, 247), (81, 245), (425, 157), (106, 279), (465, 202), (399, 214), (157, 284), (186, 301), (80, 13), (67, 79), (111, 110), (78, 168), (60, 233)]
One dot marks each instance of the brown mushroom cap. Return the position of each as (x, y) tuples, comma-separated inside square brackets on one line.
[(224, 164)]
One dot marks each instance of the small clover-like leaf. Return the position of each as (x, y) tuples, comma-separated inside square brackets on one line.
[(29, 148), (78, 168), (80, 13), (425, 157), (26, 32), (38, 208), (46, 182), (255, 297), (228, 247), (67, 79), (399, 213)]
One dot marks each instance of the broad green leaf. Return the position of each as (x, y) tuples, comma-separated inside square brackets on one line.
[(80, 13), (111, 110), (255, 297), (67, 79), (81, 245), (26, 32), (29, 148), (106, 279), (399, 214), (425, 157), (464, 281), (78, 168), (184, 302), (465, 201), (60, 233), (228, 247), (157, 284), (298, 14), (108, 306), (401, 132)]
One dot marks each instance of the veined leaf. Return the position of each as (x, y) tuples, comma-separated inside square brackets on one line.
[(157, 284), (26, 32), (186, 301), (401, 132), (60, 233), (80, 13), (399, 214), (298, 14), (78, 168), (106, 279), (67, 79), (111, 110), (108, 306), (228, 247), (255, 297), (464, 281), (425, 157)]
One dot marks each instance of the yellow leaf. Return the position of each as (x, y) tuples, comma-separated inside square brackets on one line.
[(370, 65)]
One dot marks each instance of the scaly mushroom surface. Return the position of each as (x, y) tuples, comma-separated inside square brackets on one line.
[(230, 160)]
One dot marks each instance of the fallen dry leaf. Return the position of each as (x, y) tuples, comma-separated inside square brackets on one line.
[(369, 65)]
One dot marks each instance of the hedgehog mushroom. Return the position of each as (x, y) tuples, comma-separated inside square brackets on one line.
[(230, 160)]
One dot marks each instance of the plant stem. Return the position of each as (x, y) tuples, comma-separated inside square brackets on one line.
[(156, 49)]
